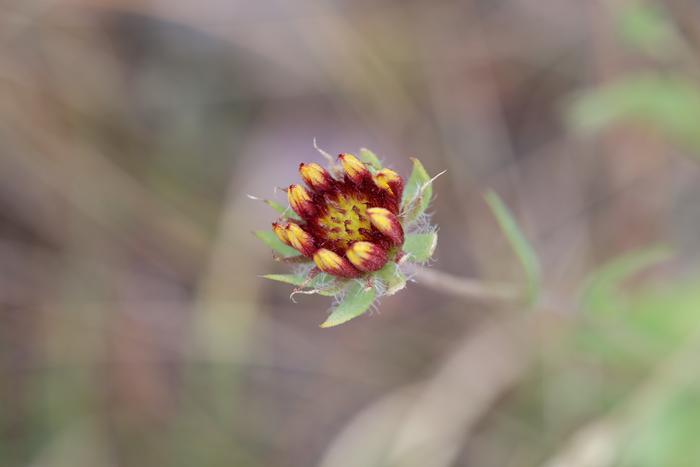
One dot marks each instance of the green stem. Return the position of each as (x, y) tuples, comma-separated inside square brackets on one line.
[(470, 289)]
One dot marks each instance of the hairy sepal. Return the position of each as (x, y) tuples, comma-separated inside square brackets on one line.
[(417, 194)]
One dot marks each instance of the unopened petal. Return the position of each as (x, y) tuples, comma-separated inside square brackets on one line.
[(316, 176), (366, 256), (332, 263), (354, 168), (390, 181), (301, 201), (387, 223), (300, 239)]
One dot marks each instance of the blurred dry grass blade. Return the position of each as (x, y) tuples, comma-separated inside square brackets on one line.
[(427, 423)]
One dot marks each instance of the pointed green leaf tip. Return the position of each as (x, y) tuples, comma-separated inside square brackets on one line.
[(293, 279), (420, 246), (368, 157), (286, 211), (323, 283), (271, 240), (418, 192), (522, 248), (356, 302)]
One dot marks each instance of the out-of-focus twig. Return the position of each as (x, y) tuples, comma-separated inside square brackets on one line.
[(470, 289)]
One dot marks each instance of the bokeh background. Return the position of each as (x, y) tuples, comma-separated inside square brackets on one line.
[(135, 329)]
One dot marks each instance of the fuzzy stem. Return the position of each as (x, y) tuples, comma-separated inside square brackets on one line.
[(470, 289)]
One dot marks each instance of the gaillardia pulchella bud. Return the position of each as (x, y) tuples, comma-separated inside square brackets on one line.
[(351, 230)]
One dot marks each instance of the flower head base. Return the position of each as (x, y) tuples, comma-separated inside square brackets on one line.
[(353, 229)]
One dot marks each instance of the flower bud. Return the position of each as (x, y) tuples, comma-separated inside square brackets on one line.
[(354, 168), (387, 223), (316, 176), (332, 263), (390, 181), (301, 201), (366, 256), (300, 239), (281, 232)]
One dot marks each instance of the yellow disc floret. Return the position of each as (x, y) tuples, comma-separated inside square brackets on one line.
[(346, 220)]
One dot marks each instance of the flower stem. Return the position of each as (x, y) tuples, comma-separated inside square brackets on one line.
[(470, 289)]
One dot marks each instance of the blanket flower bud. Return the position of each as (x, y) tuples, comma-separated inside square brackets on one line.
[(348, 221), (352, 229)]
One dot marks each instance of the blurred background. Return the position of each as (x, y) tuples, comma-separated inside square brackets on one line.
[(135, 329)]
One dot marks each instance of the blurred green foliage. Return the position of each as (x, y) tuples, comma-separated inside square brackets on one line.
[(667, 102), (647, 28), (520, 245), (667, 99)]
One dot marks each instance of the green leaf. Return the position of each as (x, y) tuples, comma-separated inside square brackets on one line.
[(356, 302), (271, 240), (420, 246), (417, 193), (370, 158), (601, 289), (284, 210), (522, 248), (392, 277), (649, 29), (667, 427), (293, 279), (325, 284), (669, 102)]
